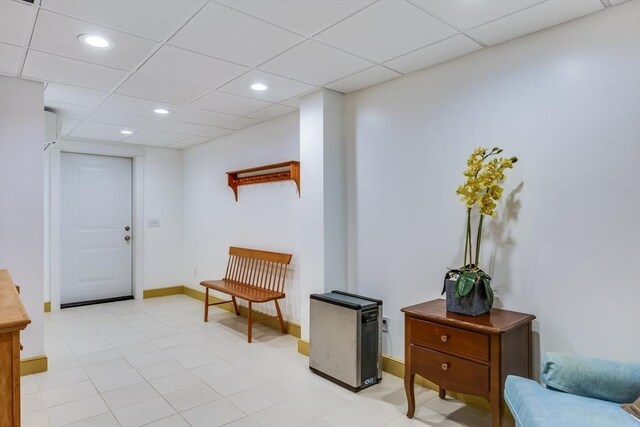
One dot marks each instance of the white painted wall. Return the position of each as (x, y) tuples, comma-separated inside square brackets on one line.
[(335, 189), (566, 244), (22, 199), (266, 216), (323, 212), (312, 203), (163, 201)]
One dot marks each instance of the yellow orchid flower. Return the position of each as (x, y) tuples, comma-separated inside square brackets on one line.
[(483, 174)]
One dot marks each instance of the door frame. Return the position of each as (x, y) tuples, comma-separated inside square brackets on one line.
[(136, 154)]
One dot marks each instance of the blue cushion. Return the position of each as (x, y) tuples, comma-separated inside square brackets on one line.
[(532, 405), (601, 379)]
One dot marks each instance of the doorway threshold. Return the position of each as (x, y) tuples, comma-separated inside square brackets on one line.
[(95, 301)]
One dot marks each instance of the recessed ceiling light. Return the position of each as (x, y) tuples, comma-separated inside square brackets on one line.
[(126, 132), (95, 41), (259, 86), (161, 111)]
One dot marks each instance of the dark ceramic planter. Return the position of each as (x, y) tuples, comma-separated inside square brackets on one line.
[(475, 303)]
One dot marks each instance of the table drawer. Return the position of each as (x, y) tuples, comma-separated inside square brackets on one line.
[(451, 340), (450, 372)]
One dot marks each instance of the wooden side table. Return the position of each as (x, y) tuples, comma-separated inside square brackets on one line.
[(471, 355), (13, 319)]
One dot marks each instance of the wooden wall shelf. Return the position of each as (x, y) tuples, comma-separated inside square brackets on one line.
[(269, 173)]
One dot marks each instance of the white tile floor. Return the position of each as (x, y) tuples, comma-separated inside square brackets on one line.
[(156, 363)]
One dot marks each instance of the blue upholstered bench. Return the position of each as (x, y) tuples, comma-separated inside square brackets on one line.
[(580, 392)]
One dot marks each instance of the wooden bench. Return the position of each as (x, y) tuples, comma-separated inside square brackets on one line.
[(254, 276)]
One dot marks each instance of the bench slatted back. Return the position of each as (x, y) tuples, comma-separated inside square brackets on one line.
[(262, 269)]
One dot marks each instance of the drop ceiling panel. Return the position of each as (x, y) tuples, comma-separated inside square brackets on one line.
[(315, 63), (122, 119), (292, 102), (91, 130), (278, 88), (271, 112), (152, 19), (216, 133), (59, 34), (202, 117), (10, 58), (192, 68), (467, 14), (301, 16), (177, 127), (161, 90), (52, 68), (74, 95), (533, 19), (67, 125), (16, 22), (154, 137), (190, 142), (386, 30), (226, 34), (241, 123), (127, 104), (434, 54), (366, 78), (68, 110), (230, 104)]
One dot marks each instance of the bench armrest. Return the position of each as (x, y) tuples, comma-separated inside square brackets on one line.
[(584, 376)]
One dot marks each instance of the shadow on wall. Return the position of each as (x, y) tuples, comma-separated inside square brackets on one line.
[(499, 233), (535, 355)]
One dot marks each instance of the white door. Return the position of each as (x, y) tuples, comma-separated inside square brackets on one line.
[(95, 232)]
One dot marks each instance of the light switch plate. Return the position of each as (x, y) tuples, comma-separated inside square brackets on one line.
[(153, 222)]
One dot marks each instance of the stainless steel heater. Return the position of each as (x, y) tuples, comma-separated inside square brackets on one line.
[(346, 339)]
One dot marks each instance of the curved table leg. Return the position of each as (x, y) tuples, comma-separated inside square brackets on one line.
[(411, 398), (442, 393)]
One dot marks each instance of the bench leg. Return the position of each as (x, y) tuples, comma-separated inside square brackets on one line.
[(206, 305), (282, 326), (250, 320), (235, 306)]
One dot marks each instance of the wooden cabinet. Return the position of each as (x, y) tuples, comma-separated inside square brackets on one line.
[(471, 355), (13, 319)]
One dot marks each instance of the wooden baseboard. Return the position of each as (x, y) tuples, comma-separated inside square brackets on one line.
[(190, 292), (162, 292), (303, 347), (292, 328), (47, 307), (393, 366), (33, 365)]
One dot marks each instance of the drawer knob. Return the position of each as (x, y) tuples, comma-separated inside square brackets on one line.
[(444, 338), (445, 366)]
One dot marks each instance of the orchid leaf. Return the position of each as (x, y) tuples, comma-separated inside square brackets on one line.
[(465, 283), (483, 275), (489, 292)]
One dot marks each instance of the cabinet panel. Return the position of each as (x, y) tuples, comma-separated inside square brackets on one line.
[(450, 372), (451, 340)]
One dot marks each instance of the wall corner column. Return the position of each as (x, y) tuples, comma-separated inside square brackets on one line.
[(323, 257)]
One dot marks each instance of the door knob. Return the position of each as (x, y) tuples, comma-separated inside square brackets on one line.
[(127, 228), (127, 238)]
